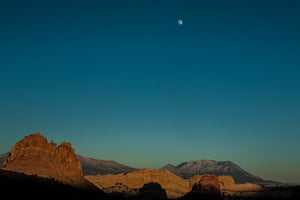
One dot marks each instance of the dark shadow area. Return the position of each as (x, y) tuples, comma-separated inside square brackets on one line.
[(152, 191), (200, 192), (20, 186), (271, 193)]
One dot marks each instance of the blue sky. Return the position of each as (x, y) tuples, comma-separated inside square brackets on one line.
[(121, 80)]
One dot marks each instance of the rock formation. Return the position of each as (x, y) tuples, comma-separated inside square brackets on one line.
[(33, 155)]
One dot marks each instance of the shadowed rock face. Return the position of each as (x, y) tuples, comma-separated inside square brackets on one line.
[(209, 185), (152, 191), (34, 155), (207, 188)]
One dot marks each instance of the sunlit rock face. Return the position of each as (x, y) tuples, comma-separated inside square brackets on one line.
[(33, 155)]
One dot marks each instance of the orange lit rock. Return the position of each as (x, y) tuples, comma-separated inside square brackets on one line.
[(33, 155)]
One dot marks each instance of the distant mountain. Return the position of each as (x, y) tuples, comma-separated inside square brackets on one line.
[(91, 166), (199, 167)]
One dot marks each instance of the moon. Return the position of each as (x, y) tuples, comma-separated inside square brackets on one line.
[(180, 22)]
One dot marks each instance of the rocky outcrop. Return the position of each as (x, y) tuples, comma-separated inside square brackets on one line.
[(33, 155)]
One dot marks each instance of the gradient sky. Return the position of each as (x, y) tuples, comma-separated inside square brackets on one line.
[(121, 80)]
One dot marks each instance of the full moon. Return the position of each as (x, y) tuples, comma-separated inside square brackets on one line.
[(180, 22)]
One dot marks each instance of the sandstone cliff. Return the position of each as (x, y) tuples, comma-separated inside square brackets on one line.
[(33, 155)]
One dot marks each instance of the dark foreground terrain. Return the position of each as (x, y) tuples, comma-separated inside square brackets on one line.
[(20, 186), (270, 193)]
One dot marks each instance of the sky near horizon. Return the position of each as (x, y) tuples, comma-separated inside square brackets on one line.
[(122, 80)]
